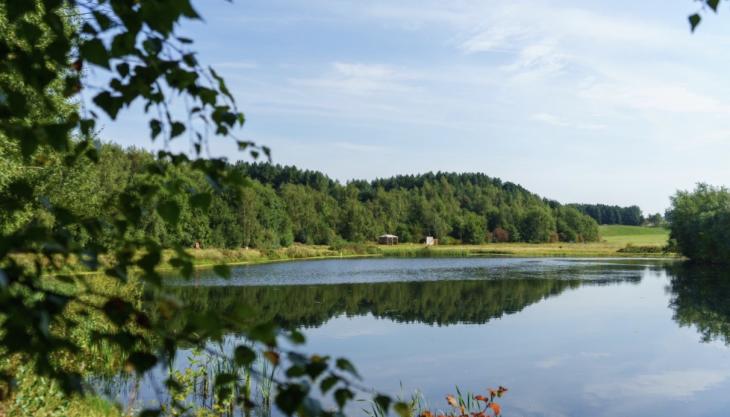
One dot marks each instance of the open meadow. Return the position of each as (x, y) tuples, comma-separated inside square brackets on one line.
[(634, 235), (615, 240)]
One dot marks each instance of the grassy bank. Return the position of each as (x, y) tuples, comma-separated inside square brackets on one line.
[(598, 249), (616, 241)]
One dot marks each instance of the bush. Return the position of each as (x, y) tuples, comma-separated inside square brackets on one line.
[(500, 235), (646, 249), (700, 223)]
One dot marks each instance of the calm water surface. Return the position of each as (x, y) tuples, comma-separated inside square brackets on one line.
[(567, 337)]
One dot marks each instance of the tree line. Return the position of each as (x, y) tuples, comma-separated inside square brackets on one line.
[(605, 214), (283, 204)]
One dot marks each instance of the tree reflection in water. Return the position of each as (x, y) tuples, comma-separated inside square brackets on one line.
[(700, 298)]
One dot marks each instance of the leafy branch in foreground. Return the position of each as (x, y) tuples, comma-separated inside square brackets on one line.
[(695, 18), (48, 49)]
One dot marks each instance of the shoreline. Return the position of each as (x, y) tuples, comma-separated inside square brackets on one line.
[(495, 250), (209, 258)]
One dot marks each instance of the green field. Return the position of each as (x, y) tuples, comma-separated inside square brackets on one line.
[(634, 235)]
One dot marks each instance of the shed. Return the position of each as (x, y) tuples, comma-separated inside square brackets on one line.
[(388, 239)]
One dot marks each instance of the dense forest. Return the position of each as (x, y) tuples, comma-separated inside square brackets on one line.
[(282, 205), (605, 214)]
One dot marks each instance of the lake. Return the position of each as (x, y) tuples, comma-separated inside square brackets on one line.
[(568, 337)]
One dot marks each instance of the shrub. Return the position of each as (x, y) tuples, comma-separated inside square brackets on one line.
[(700, 223), (500, 235), (647, 249)]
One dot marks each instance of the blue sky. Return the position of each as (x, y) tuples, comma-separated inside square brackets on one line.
[(580, 101)]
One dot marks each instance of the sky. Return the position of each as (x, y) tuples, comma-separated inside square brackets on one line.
[(578, 101)]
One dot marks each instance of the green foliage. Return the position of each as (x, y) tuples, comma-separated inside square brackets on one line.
[(700, 223), (643, 249), (572, 226), (272, 211), (696, 18), (699, 298), (36, 396), (604, 214), (64, 197), (461, 208), (537, 225), (655, 220)]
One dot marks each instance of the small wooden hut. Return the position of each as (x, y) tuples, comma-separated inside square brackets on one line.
[(388, 239)]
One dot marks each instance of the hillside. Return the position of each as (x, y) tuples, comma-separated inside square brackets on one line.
[(282, 205)]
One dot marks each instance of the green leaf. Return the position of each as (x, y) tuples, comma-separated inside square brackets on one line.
[(713, 4), (118, 310), (16, 9), (110, 104), (152, 46), (295, 371), (155, 128), (264, 332), (694, 20), (347, 366), (402, 409), (315, 368), (176, 129), (289, 398), (383, 401), (342, 396), (123, 44), (224, 378), (95, 52), (103, 20), (244, 356), (328, 383), (296, 337), (142, 361), (123, 69)]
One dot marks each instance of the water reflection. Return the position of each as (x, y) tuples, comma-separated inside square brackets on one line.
[(700, 298), (570, 338), (471, 294)]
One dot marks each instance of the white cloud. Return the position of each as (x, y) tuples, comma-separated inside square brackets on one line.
[(553, 120), (236, 65), (558, 360), (359, 147), (649, 96), (359, 78), (494, 38), (669, 384), (551, 362), (538, 60), (357, 70)]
